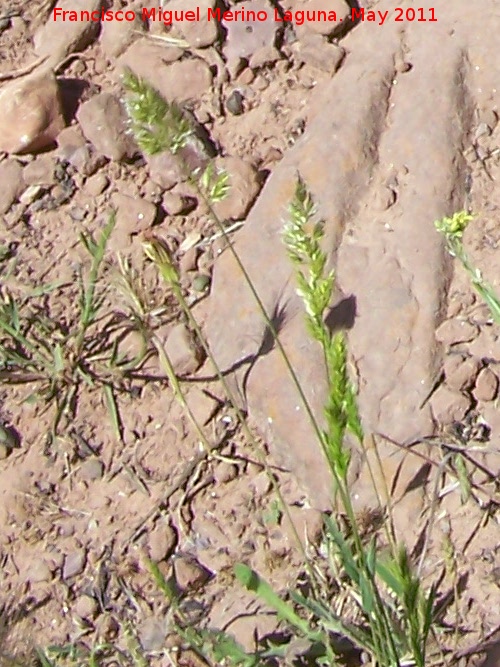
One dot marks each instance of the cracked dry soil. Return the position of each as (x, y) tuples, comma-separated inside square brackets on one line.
[(391, 127)]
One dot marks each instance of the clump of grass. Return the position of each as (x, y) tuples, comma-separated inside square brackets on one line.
[(58, 358), (395, 611), (453, 229), (373, 597), (393, 614)]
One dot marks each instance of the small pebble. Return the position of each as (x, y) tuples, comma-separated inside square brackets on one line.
[(189, 574), (486, 387), (74, 563), (91, 470), (96, 184), (39, 572), (225, 472), (201, 282), (161, 542), (86, 607), (234, 103)]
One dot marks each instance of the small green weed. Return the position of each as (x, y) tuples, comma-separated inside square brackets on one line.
[(453, 229), (57, 357)]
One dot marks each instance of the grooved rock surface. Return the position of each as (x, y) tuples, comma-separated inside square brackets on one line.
[(383, 159)]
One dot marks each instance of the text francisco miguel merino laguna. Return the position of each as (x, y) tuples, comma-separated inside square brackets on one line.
[(167, 17)]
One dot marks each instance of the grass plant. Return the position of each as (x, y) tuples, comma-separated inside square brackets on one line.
[(453, 230), (390, 611), (367, 601), (55, 357)]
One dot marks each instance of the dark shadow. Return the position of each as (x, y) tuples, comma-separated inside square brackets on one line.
[(14, 437), (272, 329), (448, 599), (342, 315), (71, 91), (420, 478), (352, 21), (492, 650)]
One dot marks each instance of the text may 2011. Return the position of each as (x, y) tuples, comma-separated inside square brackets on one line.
[(299, 17)]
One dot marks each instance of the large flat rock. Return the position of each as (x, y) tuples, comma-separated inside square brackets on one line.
[(383, 159)]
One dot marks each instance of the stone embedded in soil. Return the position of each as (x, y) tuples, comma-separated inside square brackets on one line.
[(145, 59), (167, 169), (11, 178), (326, 28), (225, 472), (86, 607), (194, 70), (156, 64), (41, 171), (487, 344), (74, 563), (117, 36), (312, 49), (176, 203), (486, 387), (31, 113), (264, 57), (456, 331), (244, 186), (307, 522), (189, 260), (151, 633), (244, 38), (198, 34), (91, 470), (201, 404), (104, 123), (262, 484), (39, 571), (133, 215), (189, 574), (107, 628), (96, 184), (448, 406), (161, 541), (74, 148), (234, 103), (460, 373), (57, 38), (182, 351)]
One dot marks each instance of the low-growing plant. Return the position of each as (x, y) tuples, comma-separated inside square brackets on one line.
[(453, 230), (58, 357), (392, 614)]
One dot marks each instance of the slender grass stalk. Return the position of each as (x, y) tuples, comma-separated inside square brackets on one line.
[(159, 254), (149, 113), (137, 103), (315, 286)]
